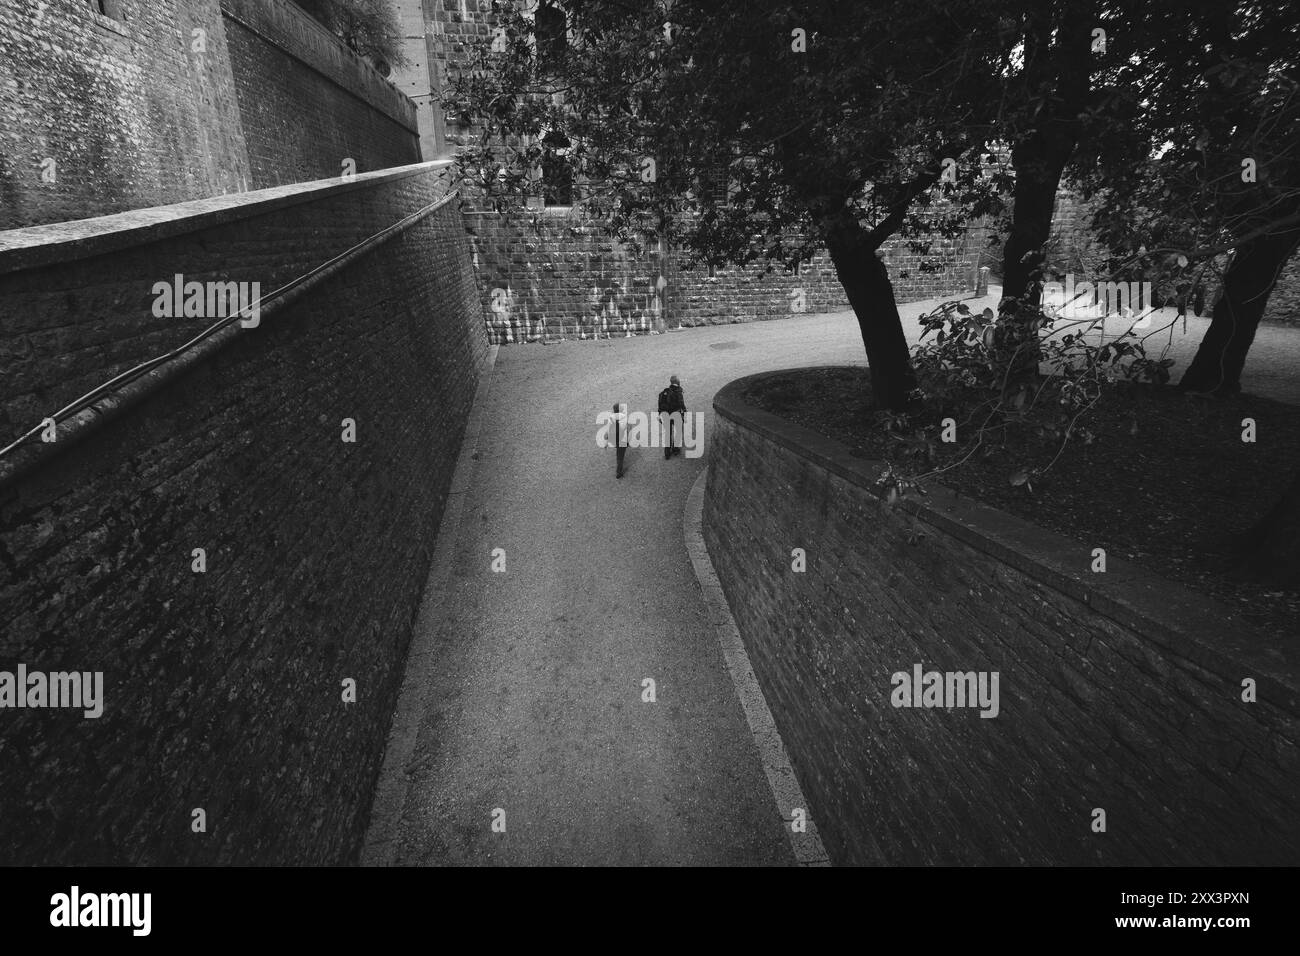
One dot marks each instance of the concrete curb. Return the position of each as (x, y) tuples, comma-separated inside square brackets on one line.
[(380, 845), (787, 793)]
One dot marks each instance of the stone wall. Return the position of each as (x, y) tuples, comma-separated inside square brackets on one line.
[(744, 294), (171, 100), (420, 77), (725, 294), (74, 318), (452, 26), (553, 274), (1284, 302), (224, 688), (1118, 691), (309, 104), (100, 114)]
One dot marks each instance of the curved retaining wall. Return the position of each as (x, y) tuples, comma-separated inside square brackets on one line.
[(1119, 692)]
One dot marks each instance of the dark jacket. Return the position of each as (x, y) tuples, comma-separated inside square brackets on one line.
[(672, 399)]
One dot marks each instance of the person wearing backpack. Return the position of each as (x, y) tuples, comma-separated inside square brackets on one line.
[(671, 400)]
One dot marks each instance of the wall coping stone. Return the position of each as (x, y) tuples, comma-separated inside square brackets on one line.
[(58, 243), (1178, 620)]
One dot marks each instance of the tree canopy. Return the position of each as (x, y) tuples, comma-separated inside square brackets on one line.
[(766, 130), (369, 27), (752, 131)]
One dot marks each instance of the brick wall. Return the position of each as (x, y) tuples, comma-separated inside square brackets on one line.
[(554, 274), (733, 294), (1118, 691), (551, 274), (127, 111), (308, 103), (73, 319), (452, 26), (224, 689), (178, 100), (1284, 302)]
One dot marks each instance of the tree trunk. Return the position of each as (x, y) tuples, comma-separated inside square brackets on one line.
[(1272, 547), (871, 294), (1249, 280), (1060, 61), (1039, 164), (1039, 160)]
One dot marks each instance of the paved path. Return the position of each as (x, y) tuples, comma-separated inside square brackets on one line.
[(531, 698), (1271, 366)]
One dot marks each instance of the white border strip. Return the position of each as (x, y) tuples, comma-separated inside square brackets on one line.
[(380, 845), (807, 846)]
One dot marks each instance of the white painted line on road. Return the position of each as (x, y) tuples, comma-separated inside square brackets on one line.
[(807, 846), (380, 845)]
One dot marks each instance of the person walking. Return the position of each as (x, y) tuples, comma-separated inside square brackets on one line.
[(620, 438), (673, 400)]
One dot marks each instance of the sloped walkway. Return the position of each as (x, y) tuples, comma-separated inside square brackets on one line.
[(524, 690)]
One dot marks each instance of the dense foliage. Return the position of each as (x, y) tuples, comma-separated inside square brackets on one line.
[(369, 27)]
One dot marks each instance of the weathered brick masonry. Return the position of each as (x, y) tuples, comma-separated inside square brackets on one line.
[(70, 324), (224, 689), (1284, 302), (307, 102), (180, 99), (554, 274), (741, 295), (1118, 691), (128, 114)]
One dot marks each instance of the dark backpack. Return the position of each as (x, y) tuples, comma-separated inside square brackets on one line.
[(671, 400)]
